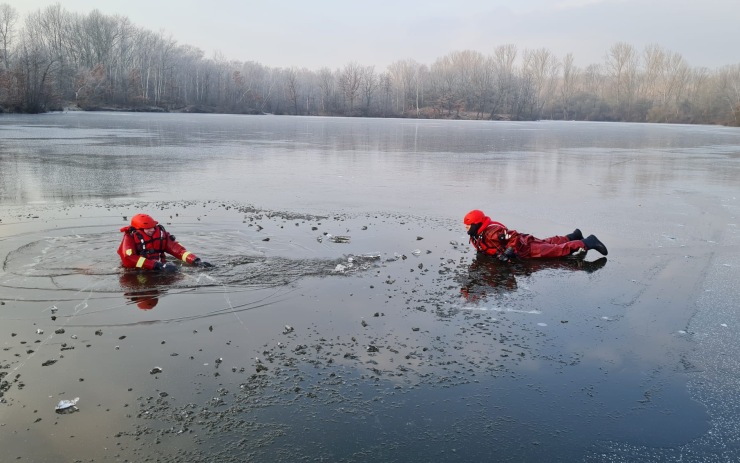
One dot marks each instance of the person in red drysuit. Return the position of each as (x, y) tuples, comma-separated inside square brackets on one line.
[(493, 238), (145, 243)]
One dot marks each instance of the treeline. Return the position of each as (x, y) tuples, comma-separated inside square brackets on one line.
[(54, 58)]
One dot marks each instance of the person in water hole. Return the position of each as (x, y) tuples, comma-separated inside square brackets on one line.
[(145, 244)]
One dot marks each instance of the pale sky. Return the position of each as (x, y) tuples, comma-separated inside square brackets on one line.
[(332, 33)]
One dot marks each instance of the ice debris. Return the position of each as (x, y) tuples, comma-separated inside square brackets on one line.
[(337, 239), (67, 406)]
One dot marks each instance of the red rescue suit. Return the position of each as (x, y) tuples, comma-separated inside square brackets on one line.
[(493, 238), (139, 250)]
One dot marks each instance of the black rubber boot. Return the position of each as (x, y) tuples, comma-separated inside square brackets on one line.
[(576, 235), (592, 242)]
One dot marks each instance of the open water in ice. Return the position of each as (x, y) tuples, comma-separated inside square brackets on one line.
[(394, 343)]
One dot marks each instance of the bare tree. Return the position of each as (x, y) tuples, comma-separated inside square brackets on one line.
[(36, 62), (728, 90), (541, 68), (349, 82), (483, 78), (654, 61), (568, 84), (621, 63), (674, 79), (386, 89), (292, 87), (326, 90), (444, 80), (369, 83), (8, 20), (504, 75)]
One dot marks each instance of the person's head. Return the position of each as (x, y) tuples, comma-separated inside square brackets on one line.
[(144, 222), (473, 221)]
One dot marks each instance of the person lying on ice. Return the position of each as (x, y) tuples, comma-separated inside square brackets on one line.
[(145, 243), (493, 238)]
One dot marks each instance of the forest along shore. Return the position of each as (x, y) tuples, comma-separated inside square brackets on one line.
[(99, 61)]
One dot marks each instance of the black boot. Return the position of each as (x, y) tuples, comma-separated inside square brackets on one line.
[(576, 235), (592, 242)]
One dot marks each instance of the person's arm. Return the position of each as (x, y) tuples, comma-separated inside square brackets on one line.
[(176, 249)]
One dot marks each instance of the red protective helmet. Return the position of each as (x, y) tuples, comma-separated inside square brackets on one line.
[(474, 216), (143, 221)]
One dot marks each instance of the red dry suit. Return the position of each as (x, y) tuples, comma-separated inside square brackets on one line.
[(138, 250), (493, 238)]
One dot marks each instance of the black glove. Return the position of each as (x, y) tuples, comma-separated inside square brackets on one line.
[(167, 267), (201, 263), (507, 255)]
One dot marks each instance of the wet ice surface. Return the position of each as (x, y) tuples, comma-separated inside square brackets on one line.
[(402, 349), (392, 343), (712, 364)]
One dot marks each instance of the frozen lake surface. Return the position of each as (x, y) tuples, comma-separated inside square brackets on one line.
[(394, 343)]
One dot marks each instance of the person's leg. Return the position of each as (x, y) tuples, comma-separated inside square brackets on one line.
[(557, 239), (576, 235), (541, 249)]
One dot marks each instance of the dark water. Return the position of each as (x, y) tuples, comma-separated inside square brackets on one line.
[(401, 346)]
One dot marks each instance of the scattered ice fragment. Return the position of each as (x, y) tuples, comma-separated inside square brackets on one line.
[(416, 252), (39, 331), (723, 325), (681, 332), (67, 406), (287, 329), (340, 268), (155, 370), (541, 324)]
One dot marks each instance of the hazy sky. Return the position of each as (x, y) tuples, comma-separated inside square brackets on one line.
[(317, 33)]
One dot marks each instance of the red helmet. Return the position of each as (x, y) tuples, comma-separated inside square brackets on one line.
[(143, 221), (474, 216)]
